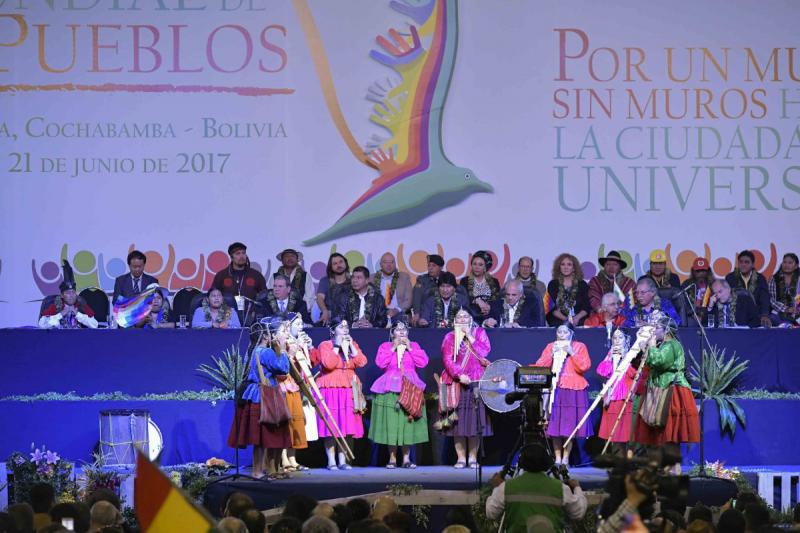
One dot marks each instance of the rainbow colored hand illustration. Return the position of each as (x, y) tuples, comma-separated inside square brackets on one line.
[(416, 179)]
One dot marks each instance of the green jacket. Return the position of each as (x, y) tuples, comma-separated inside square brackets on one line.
[(531, 496), (666, 364)]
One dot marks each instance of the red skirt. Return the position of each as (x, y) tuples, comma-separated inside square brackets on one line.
[(254, 433), (623, 431), (683, 422)]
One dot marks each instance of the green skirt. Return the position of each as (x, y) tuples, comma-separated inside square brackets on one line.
[(389, 423)]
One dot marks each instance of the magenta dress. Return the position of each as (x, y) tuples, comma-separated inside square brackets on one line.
[(472, 420)]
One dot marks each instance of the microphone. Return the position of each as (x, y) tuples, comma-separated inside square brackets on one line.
[(689, 286), (515, 396)]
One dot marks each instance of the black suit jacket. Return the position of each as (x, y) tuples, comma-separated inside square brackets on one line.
[(273, 309), (377, 316), (529, 316), (746, 311), (123, 285), (760, 295), (429, 307)]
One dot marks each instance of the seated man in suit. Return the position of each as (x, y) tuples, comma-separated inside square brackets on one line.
[(426, 286), (513, 310), (362, 306), (282, 300), (67, 312), (730, 308), (135, 281), (440, 309), (746, 277)]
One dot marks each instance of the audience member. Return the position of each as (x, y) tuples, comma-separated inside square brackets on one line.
[(7, 524), (756, 516), (52, 528), (796, 518), (699, 526), (22, 515), (255, 521), (461, 516), (731, 521), (320, 524), (382, 506), (342, 515), (368, 525), (42, 498), (78, 512), (323, 509), (287, 524), (398, 522), (700, 512), (457, 528), (299, 506), (103, 495), (360, 509), (103, 514), (237, 503), (230, 524)]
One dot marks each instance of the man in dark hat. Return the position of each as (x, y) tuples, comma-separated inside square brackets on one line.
[(300, 283), (135, 281), (441, 307), (425, 286), (67, 311), (534, 501), (240, 280), (610, 279)]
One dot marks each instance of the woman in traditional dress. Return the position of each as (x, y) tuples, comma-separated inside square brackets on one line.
[(339, 385), (615, 397), (567, 294), (158, 317), (481, 287), (666, 364), (464, 352), (215, 313), (285, 343), (391, 424), (569, 360), (267, 440)]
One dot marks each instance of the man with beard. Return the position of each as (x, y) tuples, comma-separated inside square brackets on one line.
[(336, 281), (362, 306), (440, 309), (746, 277), (239, 280)]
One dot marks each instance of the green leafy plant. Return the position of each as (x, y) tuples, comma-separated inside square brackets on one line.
[(715, 375), (421, 513), (212, 395), (97, 475), (227, 371)]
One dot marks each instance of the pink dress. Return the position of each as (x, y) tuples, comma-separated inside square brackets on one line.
[(616, 399), (392, 378), (335, 384)]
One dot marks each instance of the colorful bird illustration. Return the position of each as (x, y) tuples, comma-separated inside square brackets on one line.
[(416, 179)]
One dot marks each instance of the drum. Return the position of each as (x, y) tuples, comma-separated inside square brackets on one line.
[(496, 382), (155, 440), (122, 431)]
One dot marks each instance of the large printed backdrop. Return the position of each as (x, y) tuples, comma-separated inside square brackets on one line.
[(526, 128)]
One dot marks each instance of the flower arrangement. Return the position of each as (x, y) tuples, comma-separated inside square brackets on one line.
[(41, 465), (96, 476)]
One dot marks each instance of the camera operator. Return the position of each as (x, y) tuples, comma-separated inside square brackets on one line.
[(534, 501), (626, 517)]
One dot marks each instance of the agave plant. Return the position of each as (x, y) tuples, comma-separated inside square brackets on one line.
[(716, 377), (226, 371)]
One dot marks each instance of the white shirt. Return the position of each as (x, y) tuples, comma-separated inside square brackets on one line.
[(574, 502), (512, 310), (310, 293), (362, 307), (446, 305)]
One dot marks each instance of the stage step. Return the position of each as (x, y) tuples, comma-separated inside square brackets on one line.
[(785, 485)]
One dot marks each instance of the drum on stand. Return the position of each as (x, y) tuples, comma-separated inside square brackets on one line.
[(122, 431), (496, 382)]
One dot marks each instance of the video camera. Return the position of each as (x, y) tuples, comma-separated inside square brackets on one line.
[(647, 474)]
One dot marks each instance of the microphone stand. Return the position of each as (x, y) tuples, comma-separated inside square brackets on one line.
[(704, 339)]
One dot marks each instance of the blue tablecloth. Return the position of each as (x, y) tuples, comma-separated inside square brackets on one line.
[(141, 361)]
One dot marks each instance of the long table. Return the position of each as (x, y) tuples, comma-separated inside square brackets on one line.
[(156, 361)]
